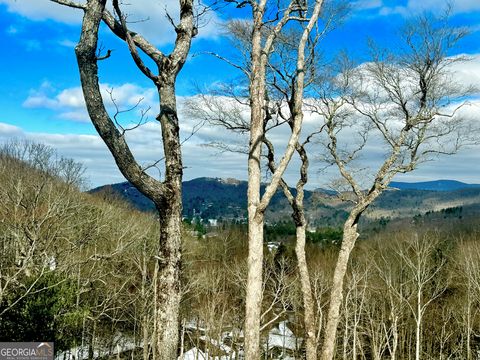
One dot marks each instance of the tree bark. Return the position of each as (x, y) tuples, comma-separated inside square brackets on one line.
[(350, 236), (168, 293), (254, 289), (255, 218), (169, 208), (418, 324), (309, 311)]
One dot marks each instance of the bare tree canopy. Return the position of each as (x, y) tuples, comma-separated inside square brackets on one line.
[(165, 194), (409, 100)]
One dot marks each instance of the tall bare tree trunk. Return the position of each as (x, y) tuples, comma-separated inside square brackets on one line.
[(255, 218), (168, 294), (308, 304), (256, 205), (254, 290), (255, 268), (469, 323), (350, 235), (393, 354), (418, 325), (170, 215)]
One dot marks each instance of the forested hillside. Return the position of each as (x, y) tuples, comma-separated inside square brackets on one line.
[(72, 264), (79, 269)]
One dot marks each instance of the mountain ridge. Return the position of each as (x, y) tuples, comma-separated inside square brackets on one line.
[(434, 185), (225, 199)]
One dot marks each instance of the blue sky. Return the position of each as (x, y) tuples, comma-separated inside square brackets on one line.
[(41, 98)]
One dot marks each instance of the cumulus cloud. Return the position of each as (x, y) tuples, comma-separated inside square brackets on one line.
[(201, 160), (69, 103), (147, 17), (468, 73), (145, 143), (43, 10)]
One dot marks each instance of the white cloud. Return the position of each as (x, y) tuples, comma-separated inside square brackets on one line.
[(468, 73), (69, 103), (43, 10), (39, 101), (145, 143), (458, 6), (76, 116), (148, 17), (8, 131), (200, 160), (417, 6)]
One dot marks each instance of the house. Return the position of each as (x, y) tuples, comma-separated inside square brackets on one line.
[(281, 342)]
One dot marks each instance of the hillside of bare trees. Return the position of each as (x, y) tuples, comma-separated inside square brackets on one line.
[(80, 270)]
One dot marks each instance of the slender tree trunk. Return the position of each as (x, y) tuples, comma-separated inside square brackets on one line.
[(469, 324), (168, 292), (255, 260), (145, 305), (345, 334), (308, 304), (254, 289), (182, 339), (354, 345), (350, 235), (91, 343), (395, 337), (418, 325), (255, 218)]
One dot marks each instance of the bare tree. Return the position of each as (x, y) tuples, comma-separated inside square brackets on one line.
[(469, 266), (299, 218), (410, 101), (353, 312), (392, 289), (38, 201), (257, 41), (165, 194), (423, 264), (262, 47)]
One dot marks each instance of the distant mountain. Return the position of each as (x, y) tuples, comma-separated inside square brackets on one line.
[(202, 197), (215, 198), (437, 185)]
